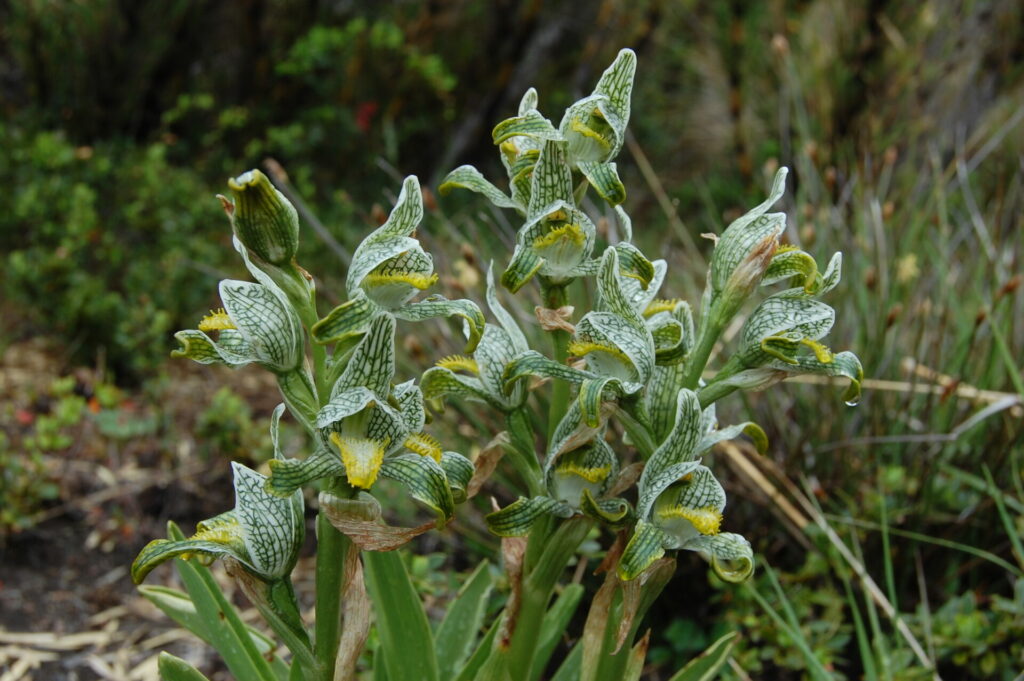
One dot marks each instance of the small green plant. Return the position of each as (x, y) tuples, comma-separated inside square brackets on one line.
[(629, 406)]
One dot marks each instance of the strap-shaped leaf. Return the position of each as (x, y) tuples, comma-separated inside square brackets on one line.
[(273, 527), (468, 177), (732, 559), (743, 236), (644, 547), (532, 363), (552, 179), (705, 666), (516, 519), (461, 625), (173, 668), (439, 306), (604, 178), (529, 123), (265, 322), (524, 265), (372, 363), (288, 475), (425, 480), (351, 318), (748, 428)]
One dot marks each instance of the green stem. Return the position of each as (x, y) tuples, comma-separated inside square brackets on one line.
[(554, 298), (538, 586), (332, 549), (696, 363), (714, 392), (639, 430), (523, 451)]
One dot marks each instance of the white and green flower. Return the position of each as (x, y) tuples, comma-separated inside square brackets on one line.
[(480, 377), (371, 429), (680, 503), (388, 270), (264, 532)]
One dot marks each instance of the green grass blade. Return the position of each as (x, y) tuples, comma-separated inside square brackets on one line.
[(863, 641), (814, 668), (480, 655), (458, 631), (1011, 527), (706, 666), (570, 669), (407, 646), (555, 622), (176, 669), (228, 634)]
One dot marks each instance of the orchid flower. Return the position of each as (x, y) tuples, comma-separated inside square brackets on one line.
[(680, 502), (370, 429), (388, 270), (480, 377), (264, 532)]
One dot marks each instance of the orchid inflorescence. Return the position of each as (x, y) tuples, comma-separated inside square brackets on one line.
[(627, 375)]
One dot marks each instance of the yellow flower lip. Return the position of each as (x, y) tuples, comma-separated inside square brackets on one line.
[(362, 458), (569, 233), (459, 363), (592, 474), (415, 279), (217, 320), (581, 348), (706, 520), (657, 306), (821, 351), (424, 445)]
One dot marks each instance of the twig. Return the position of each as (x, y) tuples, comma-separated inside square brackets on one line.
[(280, 179)]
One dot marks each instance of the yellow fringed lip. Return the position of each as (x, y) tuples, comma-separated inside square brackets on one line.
[(414, 279), (362, 459), (568, 233), (217, 320), (592, 474), (580, 348), (424, 445), (459, 363), (706, 520), (657, 306)]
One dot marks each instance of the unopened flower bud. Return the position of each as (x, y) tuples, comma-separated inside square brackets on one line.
[(263, 219)]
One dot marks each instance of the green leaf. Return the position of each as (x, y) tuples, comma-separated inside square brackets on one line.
[(468, 177), (439, 306), (461, 625), (349, 319), (176, 669), (605, 179), (553, 627), (570, 668), (227, 633), (407, 646), (705, 667), (516, 519), (479, 657)]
